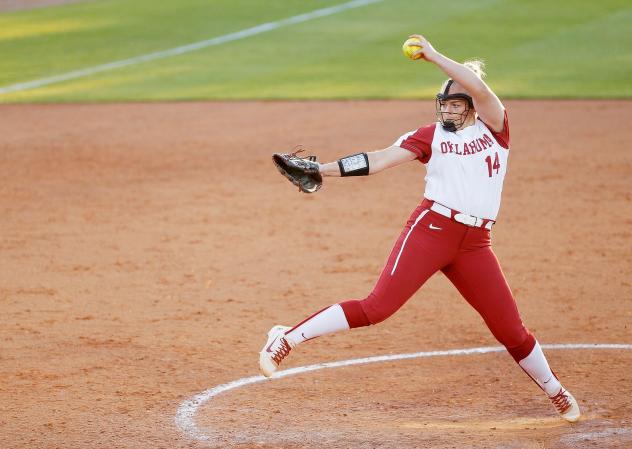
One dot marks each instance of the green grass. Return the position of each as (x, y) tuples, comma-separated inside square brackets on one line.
[(533, 49)]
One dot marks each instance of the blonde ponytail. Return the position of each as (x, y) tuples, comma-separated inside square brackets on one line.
[(477, 66)]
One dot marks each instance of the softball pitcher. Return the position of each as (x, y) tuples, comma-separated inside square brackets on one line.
[(465, 153)]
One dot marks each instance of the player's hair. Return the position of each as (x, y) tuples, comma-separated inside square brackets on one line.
[(477, 66)]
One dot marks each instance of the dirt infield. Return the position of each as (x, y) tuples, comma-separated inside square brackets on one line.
[(147, 248)]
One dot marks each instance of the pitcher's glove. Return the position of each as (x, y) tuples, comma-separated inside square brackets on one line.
[(302, 172)]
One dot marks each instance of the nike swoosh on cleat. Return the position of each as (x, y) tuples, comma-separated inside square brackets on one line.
[(270, 345)]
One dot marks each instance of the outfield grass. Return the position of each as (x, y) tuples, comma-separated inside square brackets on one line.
[(533, 49)]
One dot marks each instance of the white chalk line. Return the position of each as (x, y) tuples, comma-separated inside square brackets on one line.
[(185, 416), (186, 48)]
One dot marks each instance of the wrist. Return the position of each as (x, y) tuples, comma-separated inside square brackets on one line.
[(434, 57), (329, 169)]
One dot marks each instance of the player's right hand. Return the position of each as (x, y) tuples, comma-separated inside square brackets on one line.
[(426, 51)]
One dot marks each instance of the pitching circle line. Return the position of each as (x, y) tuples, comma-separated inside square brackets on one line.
[(185, 415)]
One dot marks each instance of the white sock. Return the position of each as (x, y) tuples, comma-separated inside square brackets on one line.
[(332, 319), (537, 367)]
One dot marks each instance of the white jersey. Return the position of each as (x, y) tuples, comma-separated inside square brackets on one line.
[(465, 169)]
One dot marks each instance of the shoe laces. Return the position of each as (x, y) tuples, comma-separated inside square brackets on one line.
[(561, 401), (282, 351), (299, 149)]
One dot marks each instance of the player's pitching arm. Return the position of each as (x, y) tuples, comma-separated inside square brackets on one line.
[(487, 105), (367, 163)]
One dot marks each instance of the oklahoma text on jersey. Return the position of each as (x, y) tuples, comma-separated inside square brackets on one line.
[(475, 146)]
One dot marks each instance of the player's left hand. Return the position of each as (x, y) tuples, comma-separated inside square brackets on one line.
[(302, 172)]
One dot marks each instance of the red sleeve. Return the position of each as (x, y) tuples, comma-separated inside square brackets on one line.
[(502, 137), (420, 142)]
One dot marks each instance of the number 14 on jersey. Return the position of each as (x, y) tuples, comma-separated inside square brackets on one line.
[(495, 166)]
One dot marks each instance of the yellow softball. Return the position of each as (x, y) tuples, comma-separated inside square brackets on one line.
[(410, 47)]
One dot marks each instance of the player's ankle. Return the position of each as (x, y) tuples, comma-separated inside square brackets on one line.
[(552, 386), (293, 339)]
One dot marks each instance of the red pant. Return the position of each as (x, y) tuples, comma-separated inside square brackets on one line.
[(465, 256)]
